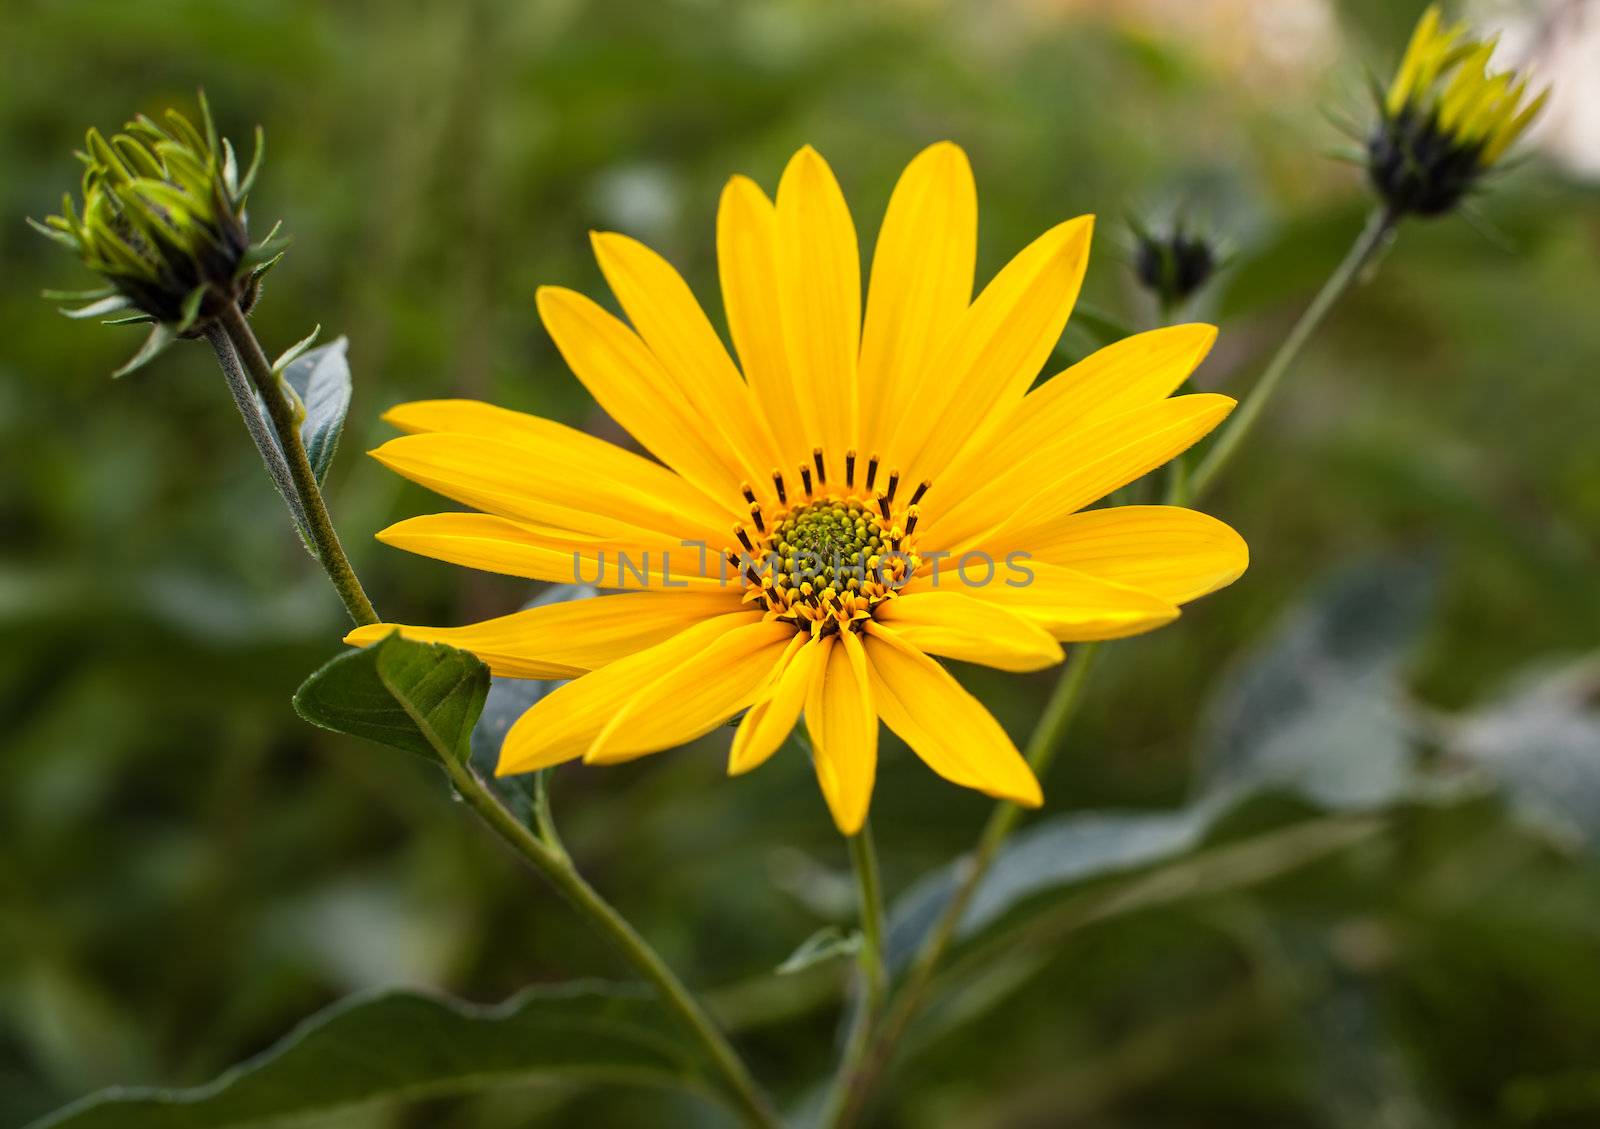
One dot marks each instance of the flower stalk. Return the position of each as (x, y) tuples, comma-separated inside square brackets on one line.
[(854, 1086), (1062, 707), (1374, 237), (234, 341), (554, 865), (315, 522)]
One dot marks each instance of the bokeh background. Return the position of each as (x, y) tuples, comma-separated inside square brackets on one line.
[(186, 869)]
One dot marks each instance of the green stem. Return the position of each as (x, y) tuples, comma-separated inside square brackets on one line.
[(1371, 240), (1059, 711), (545, 855), (244, 397), (1041, 752), (873, 979), (318, 525), (864, 861), (556, 868)]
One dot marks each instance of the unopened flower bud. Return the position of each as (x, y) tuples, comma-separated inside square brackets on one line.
[(1445, 120), (162, 222)]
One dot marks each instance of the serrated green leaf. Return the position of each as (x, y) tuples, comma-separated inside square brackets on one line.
[(423, 698), (828, 943), (406, 1046)]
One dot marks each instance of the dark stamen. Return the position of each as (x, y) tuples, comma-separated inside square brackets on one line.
[(822, 475), (911, 519), (777, 480), (894, 484), (805, 477), (749, 494), (872, 469), (921, 490), (850, 468), (883, 506), (744, 539), (755, 516)]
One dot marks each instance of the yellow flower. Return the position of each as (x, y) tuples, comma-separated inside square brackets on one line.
[(871, 491), (1446, 118)]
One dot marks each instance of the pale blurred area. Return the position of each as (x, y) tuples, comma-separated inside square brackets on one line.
[(1274, 48)]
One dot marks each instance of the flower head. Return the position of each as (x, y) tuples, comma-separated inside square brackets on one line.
[(861, 492), (1172, 264), (162, 221), (1445, 120)]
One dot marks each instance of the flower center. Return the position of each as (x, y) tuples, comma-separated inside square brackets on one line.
[(825, 560)]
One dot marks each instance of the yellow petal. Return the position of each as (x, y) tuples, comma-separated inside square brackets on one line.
[(568, 480), (993, 353), (844, 730), (951, 623), (494, 544), (747, 260), (1128, 374), (921, 283), (944, 725), (562, 725), (1072, 606), (627, 380), (567, 639), (819, 289), (689, 700), (666, 315), (1010, 510), (1174, 553), (587, 455), (777, 706)]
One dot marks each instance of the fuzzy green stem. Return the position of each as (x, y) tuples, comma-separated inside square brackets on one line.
[(557, 869), (864, 861), (1373, 237), (1041, 752), (872, 980), (234, 342), (318, 526), (244, 397)]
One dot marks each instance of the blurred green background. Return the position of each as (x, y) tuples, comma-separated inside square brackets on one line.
[(186, 869)]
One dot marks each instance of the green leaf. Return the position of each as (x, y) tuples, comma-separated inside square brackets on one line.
[(1312, 714), (1541, 742), (401, 1046), (321, 378), (509, 699), (423, 698), (296, 349), (828, 943), (104, 306), (1051, 856), (1319, 707), (161, 336)]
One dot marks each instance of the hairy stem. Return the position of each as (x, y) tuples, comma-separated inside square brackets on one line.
[(557, 869), (244, 397), (316, 524), (872, 978), (234, 343), (864, 861)]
